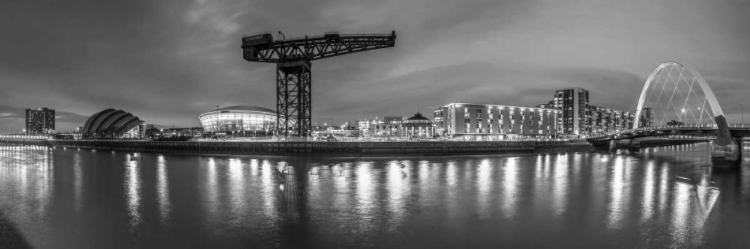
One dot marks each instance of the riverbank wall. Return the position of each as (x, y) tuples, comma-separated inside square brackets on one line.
[(411, 148), (344, 149), (646, 143), (668, 142)]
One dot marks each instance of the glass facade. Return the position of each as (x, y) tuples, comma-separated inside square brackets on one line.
[(238, 119)]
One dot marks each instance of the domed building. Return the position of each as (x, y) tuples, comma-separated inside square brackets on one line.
[(239, 120), (418, 126), (111, 123)]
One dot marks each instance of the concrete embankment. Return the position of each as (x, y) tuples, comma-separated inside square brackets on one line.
[(425, 148), (667, 142), (646, 143)]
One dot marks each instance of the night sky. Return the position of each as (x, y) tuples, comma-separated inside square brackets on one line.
[(169, 61)]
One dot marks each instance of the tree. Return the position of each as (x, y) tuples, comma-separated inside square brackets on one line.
[(674, 123), (152, 132)]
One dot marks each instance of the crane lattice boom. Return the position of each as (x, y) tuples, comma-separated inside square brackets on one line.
[(263, 48), (293, 69)]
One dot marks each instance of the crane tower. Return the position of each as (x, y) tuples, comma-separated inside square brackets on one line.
[(293, 69)]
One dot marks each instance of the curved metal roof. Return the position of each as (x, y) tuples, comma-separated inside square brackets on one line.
[(242, 108), (109, 123)]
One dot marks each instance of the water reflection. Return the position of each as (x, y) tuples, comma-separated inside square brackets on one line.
[(26, 176), (398, 190), (484, 186), (162, 186), (510, 187), (268, 189), (663, 197), (618, 194), (133, 187), (663, 186), (211, 190), (365, 196), (78, 182), (237, 185), (647, 205), (560, 185)]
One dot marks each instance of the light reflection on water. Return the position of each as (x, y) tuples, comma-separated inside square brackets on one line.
[(133, 187), (661, 197), (162, 184), (510, 187)]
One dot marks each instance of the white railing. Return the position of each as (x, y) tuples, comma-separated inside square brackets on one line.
[(663, 127), (21, 136)]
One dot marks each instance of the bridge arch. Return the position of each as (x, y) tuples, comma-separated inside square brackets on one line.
[(670, 65)]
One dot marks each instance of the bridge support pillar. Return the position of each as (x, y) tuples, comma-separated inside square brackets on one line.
[(612, 145), (634, 145), (726, 151), (727, 156)]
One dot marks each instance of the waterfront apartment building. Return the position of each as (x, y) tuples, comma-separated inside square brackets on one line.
[(647, 117), (608, 120), (438, 117), (574, 103), (40, 121), (495, 122), (549, 105)]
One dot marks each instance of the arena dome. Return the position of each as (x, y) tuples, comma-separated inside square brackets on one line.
[(111, 123), (239, 120)]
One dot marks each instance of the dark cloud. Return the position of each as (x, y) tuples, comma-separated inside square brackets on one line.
[(168, 61)]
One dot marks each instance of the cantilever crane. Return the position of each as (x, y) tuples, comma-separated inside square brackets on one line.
[(293, 69)]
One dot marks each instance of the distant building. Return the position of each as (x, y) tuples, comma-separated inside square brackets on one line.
[(40, 121), (393, 125), (578, 117), (386, 127), (418, 126), (573, 102), (497, 122), (182, 132), (370, 127), (647, 117), (239, 121), (548, 105), (608, 120)]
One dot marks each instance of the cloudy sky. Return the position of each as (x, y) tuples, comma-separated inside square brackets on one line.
[(168, 61)]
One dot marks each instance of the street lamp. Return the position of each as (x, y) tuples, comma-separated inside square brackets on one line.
[(683, 116)]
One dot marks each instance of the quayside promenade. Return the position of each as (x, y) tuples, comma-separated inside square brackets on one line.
[(309, 148)]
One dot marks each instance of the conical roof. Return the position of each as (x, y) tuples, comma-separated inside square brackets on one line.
[(418, 116)]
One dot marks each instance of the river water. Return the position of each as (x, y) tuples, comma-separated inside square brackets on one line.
[(660, 197)]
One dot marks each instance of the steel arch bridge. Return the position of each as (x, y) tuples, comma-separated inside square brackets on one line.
[(675, 73), (677, 100)]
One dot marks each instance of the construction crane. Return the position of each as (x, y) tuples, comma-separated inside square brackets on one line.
[(293, 69)]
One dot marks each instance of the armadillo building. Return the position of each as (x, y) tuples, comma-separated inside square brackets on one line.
[(111, 123)]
